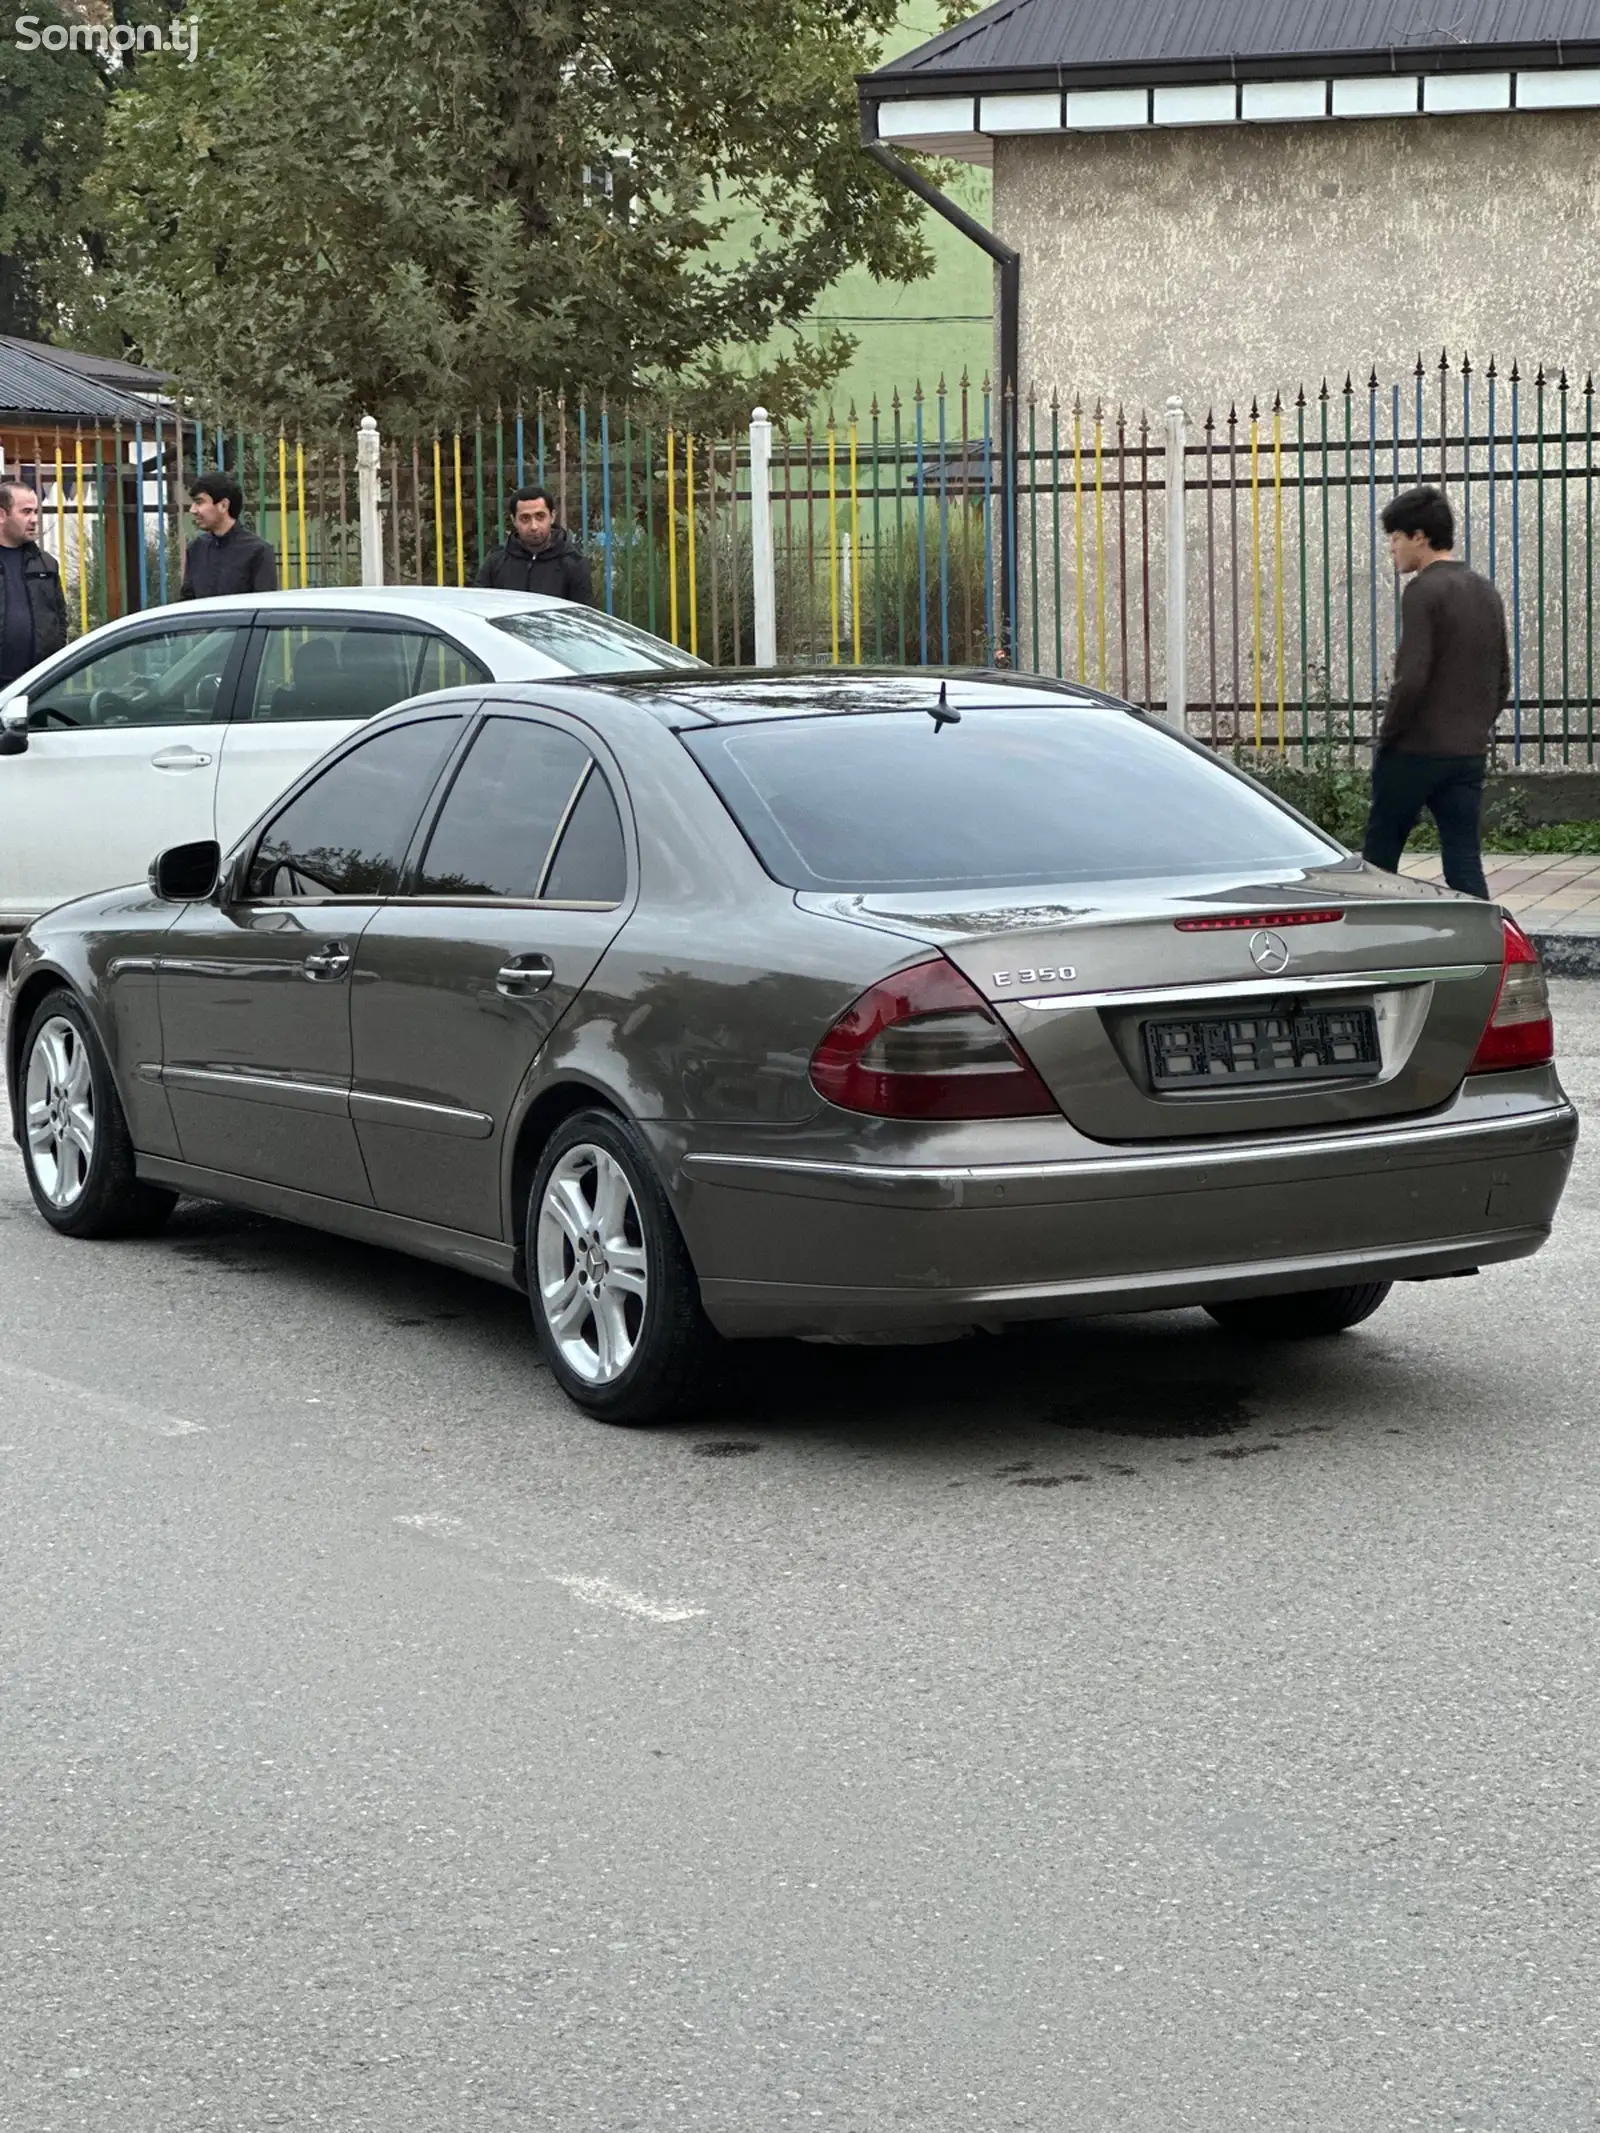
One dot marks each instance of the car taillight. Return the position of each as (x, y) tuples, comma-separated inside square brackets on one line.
[(1520, 1032), (924, 1044)]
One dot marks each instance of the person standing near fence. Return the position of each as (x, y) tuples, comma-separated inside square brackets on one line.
[(540, 556), (1452, 679), (227, 557), (33, 609)]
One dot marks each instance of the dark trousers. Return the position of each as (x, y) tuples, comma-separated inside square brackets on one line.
[(1450, 787)]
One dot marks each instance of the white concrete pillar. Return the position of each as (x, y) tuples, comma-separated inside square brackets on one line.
[(368, 446)]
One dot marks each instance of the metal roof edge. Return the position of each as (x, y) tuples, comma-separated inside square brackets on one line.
[(898, 80)]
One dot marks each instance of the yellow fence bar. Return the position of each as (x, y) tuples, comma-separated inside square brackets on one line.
[(283, 507), (1255, 554), (1100, 539), (438, 513), (300, 506), (672, 535), (461, 532), (1277, 560), (855, 543), (694, 590), (833, 537), (83, 549), (1077, 484)]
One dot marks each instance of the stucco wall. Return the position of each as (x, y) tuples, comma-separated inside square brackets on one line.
[(1225, 261)]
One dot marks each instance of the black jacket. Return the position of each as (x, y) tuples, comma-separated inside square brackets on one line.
[(45, 599), (237, 561), (559, 568)]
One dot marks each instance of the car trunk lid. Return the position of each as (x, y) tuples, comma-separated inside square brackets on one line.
[(1159, 1009)]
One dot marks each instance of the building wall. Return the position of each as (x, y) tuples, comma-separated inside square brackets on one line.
[(1221, 262)]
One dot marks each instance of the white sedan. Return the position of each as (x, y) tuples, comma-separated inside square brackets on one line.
[(184, 722)]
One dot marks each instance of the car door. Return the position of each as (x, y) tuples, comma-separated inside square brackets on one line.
[(520, 885), (310, 679), (122, 759), (254, 985)]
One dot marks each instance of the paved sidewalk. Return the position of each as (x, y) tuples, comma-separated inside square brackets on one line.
[(1556, 899)]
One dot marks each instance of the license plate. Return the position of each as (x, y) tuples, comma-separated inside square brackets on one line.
[(1288, 1044)]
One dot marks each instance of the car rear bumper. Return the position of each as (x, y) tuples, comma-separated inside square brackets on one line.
[(792, 1246)]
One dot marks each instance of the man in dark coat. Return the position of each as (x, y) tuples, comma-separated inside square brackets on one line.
[(33, 611), (227, 557), (540, 557)]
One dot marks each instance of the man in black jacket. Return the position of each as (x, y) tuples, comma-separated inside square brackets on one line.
[(540, 557), (228, 557), (33, 612)]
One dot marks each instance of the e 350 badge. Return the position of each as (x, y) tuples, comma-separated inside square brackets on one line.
[(1046, 974)]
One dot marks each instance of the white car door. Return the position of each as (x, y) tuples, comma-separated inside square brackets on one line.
[(122, 760), (308, 681)]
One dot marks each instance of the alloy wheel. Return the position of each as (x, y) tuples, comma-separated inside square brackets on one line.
[(59, 1112), (591, 1265)]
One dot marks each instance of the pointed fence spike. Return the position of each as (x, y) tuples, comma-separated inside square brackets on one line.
[(1324, 392), (1349, 388), (1516, 374), (1300, 397), (1277, 402), (1372, 382), (1492, 372), (1539, 380), (1466, 363)]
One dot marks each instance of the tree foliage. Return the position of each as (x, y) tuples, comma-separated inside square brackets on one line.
[(52, 110), (387, 206)]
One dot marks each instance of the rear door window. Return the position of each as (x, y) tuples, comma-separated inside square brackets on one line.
[(312, 671), (1006, 798), (506, 807)]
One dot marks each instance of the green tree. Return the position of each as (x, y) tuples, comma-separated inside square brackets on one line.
[(381, 205), (52, 110)]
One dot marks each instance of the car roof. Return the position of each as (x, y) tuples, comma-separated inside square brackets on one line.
[(421, 601), (740, 696)]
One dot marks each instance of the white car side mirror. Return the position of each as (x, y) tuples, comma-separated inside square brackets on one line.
[(14, 727)]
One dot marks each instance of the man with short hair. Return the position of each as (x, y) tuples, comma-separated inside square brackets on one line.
[(226, 557), (1452, 677), (540, 557), (33, 609)]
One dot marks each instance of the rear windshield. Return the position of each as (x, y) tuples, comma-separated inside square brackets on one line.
[(1004, 799), (587, 643)]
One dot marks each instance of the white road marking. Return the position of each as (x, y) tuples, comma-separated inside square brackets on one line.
[(129, 1413), (594, 1592)]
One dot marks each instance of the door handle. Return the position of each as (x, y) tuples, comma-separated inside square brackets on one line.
[(184, 758), (524, 974), (325, 963)]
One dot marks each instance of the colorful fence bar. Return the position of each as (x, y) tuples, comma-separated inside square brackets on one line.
[(889, 532)]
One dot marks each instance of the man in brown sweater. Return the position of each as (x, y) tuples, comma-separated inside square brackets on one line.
[(1452, 676)]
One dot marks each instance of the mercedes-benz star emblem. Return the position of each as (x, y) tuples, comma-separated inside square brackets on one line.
[(1269, 952)]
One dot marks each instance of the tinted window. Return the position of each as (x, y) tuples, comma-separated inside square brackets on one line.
[(443, 667), (173, 678), (494, 833), (1006, 798), (334, 672), (591, 864), (586, 643), (346, 834)]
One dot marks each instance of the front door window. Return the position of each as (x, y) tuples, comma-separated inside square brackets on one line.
[(169, 678)]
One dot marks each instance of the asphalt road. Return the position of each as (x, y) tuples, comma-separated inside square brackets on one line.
[(1114, 1729)]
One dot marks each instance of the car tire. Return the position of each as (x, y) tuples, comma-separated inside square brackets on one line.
[(615, 1298), (1305, 1314), (76, 1148)]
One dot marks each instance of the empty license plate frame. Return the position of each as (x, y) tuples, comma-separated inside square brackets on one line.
[(1284, 1044)]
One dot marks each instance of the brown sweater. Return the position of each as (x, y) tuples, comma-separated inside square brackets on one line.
[(1452, 672)]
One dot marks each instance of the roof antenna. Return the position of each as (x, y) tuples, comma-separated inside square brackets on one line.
[(941, 714)]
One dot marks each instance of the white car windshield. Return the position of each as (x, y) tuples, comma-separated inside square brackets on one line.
[(586, 643)]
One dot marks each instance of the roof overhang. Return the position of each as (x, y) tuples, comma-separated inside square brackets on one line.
[(962, 114)]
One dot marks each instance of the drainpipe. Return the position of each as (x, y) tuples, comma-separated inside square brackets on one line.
[(1010, 266)]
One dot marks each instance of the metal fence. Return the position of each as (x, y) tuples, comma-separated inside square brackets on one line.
[(951, 528)]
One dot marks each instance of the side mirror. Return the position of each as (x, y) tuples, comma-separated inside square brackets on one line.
[(14, 727), (186, 873)]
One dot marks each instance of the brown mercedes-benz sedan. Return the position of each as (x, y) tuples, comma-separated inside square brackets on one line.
[(839, 1005)]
